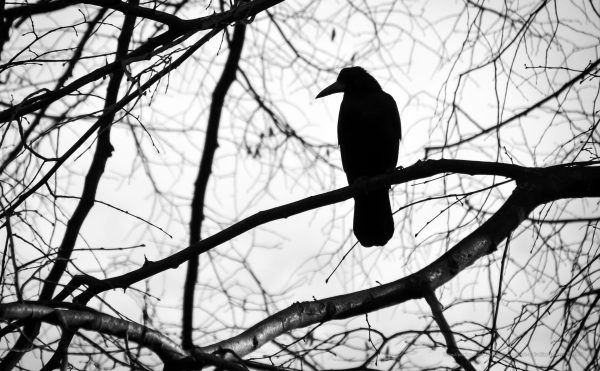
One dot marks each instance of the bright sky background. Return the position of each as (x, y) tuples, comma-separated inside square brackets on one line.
[(417, 56)]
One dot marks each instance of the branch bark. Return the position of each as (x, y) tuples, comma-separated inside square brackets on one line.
[(548, 184), (95, 321), (70, 320), (541, 186), (535, 186)]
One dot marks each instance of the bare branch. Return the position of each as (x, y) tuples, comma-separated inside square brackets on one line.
[(438, 315)]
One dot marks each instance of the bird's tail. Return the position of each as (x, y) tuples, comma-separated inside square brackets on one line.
[(373, 221)]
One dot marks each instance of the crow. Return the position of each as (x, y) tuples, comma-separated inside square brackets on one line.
[(369, 134)]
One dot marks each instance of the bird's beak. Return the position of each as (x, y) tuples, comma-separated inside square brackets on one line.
[(336, 87)]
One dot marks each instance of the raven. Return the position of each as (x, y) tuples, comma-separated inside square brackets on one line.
[(368, 134)]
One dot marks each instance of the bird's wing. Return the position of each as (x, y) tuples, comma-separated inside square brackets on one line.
[(368, 134), (395, 127), (394, 116)]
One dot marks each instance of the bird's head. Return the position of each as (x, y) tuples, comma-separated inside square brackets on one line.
[(352, 80)]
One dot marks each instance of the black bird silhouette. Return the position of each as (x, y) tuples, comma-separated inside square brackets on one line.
[(368, 134)]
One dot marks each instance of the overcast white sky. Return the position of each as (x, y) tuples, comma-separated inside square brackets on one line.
[(416, 63)]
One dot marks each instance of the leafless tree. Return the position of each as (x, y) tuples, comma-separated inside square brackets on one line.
[(172, 196)]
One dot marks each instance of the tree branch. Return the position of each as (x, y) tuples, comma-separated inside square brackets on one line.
[(483, 241), (44, 7), (72, 319), (109, 111), (546, 184), (204, 171), (216, 22), (103, 151), (438, 316)]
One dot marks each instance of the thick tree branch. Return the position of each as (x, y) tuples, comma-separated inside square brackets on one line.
[(95, 321), (572, 181), (568, 181), (479, 243), (71, 320)]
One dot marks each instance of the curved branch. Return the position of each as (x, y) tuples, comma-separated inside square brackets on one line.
[(483, 241), (575, 181), (71, 319), (173, 355)]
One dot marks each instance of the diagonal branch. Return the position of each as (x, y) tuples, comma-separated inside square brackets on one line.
[(483, 241), (573, 181), (107, 112), (479, 243), (216, 22), (92, 180), (438, 316)]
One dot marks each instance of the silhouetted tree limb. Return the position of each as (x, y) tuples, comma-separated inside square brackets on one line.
[(103, 151), (440, 319), (569, 181), (109, 111), (95, 321), (198, 199), (535, 187), (216, 22), (527, 69)]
